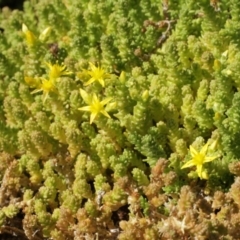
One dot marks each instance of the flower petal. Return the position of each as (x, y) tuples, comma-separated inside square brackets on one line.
[(105, 113), (92, 117), (92, 66), (101, 81), (204, 174), (85, 96), (193, 151), (122, 77), (199, 170), (106, 100), (45, 96), (36, 91), (91, 80), (204, 149), (209, 159), (95, 99), (24, 28), (188, 164), (86, 108), (44, 33)]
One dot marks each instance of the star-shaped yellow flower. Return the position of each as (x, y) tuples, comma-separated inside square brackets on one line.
[(95, 106), (198, 159), (57, 71), (46, 87), (97, 74)]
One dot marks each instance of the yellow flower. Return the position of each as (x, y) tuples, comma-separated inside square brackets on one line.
[(46, 87), (44, 34), (95, 105), (57, 71), (122, 77), (97, 74), (30, 37), (198, 159)]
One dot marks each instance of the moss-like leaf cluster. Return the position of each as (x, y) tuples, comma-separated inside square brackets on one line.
[(102, 103)]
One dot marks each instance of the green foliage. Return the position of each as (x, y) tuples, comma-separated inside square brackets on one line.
[(158, 79)]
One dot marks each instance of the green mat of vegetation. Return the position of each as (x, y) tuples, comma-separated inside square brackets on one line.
[(120, 120)]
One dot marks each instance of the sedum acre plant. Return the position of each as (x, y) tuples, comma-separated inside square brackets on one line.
[(120, 120)]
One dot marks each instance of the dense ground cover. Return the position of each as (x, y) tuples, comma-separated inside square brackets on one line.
[(120, 120)]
